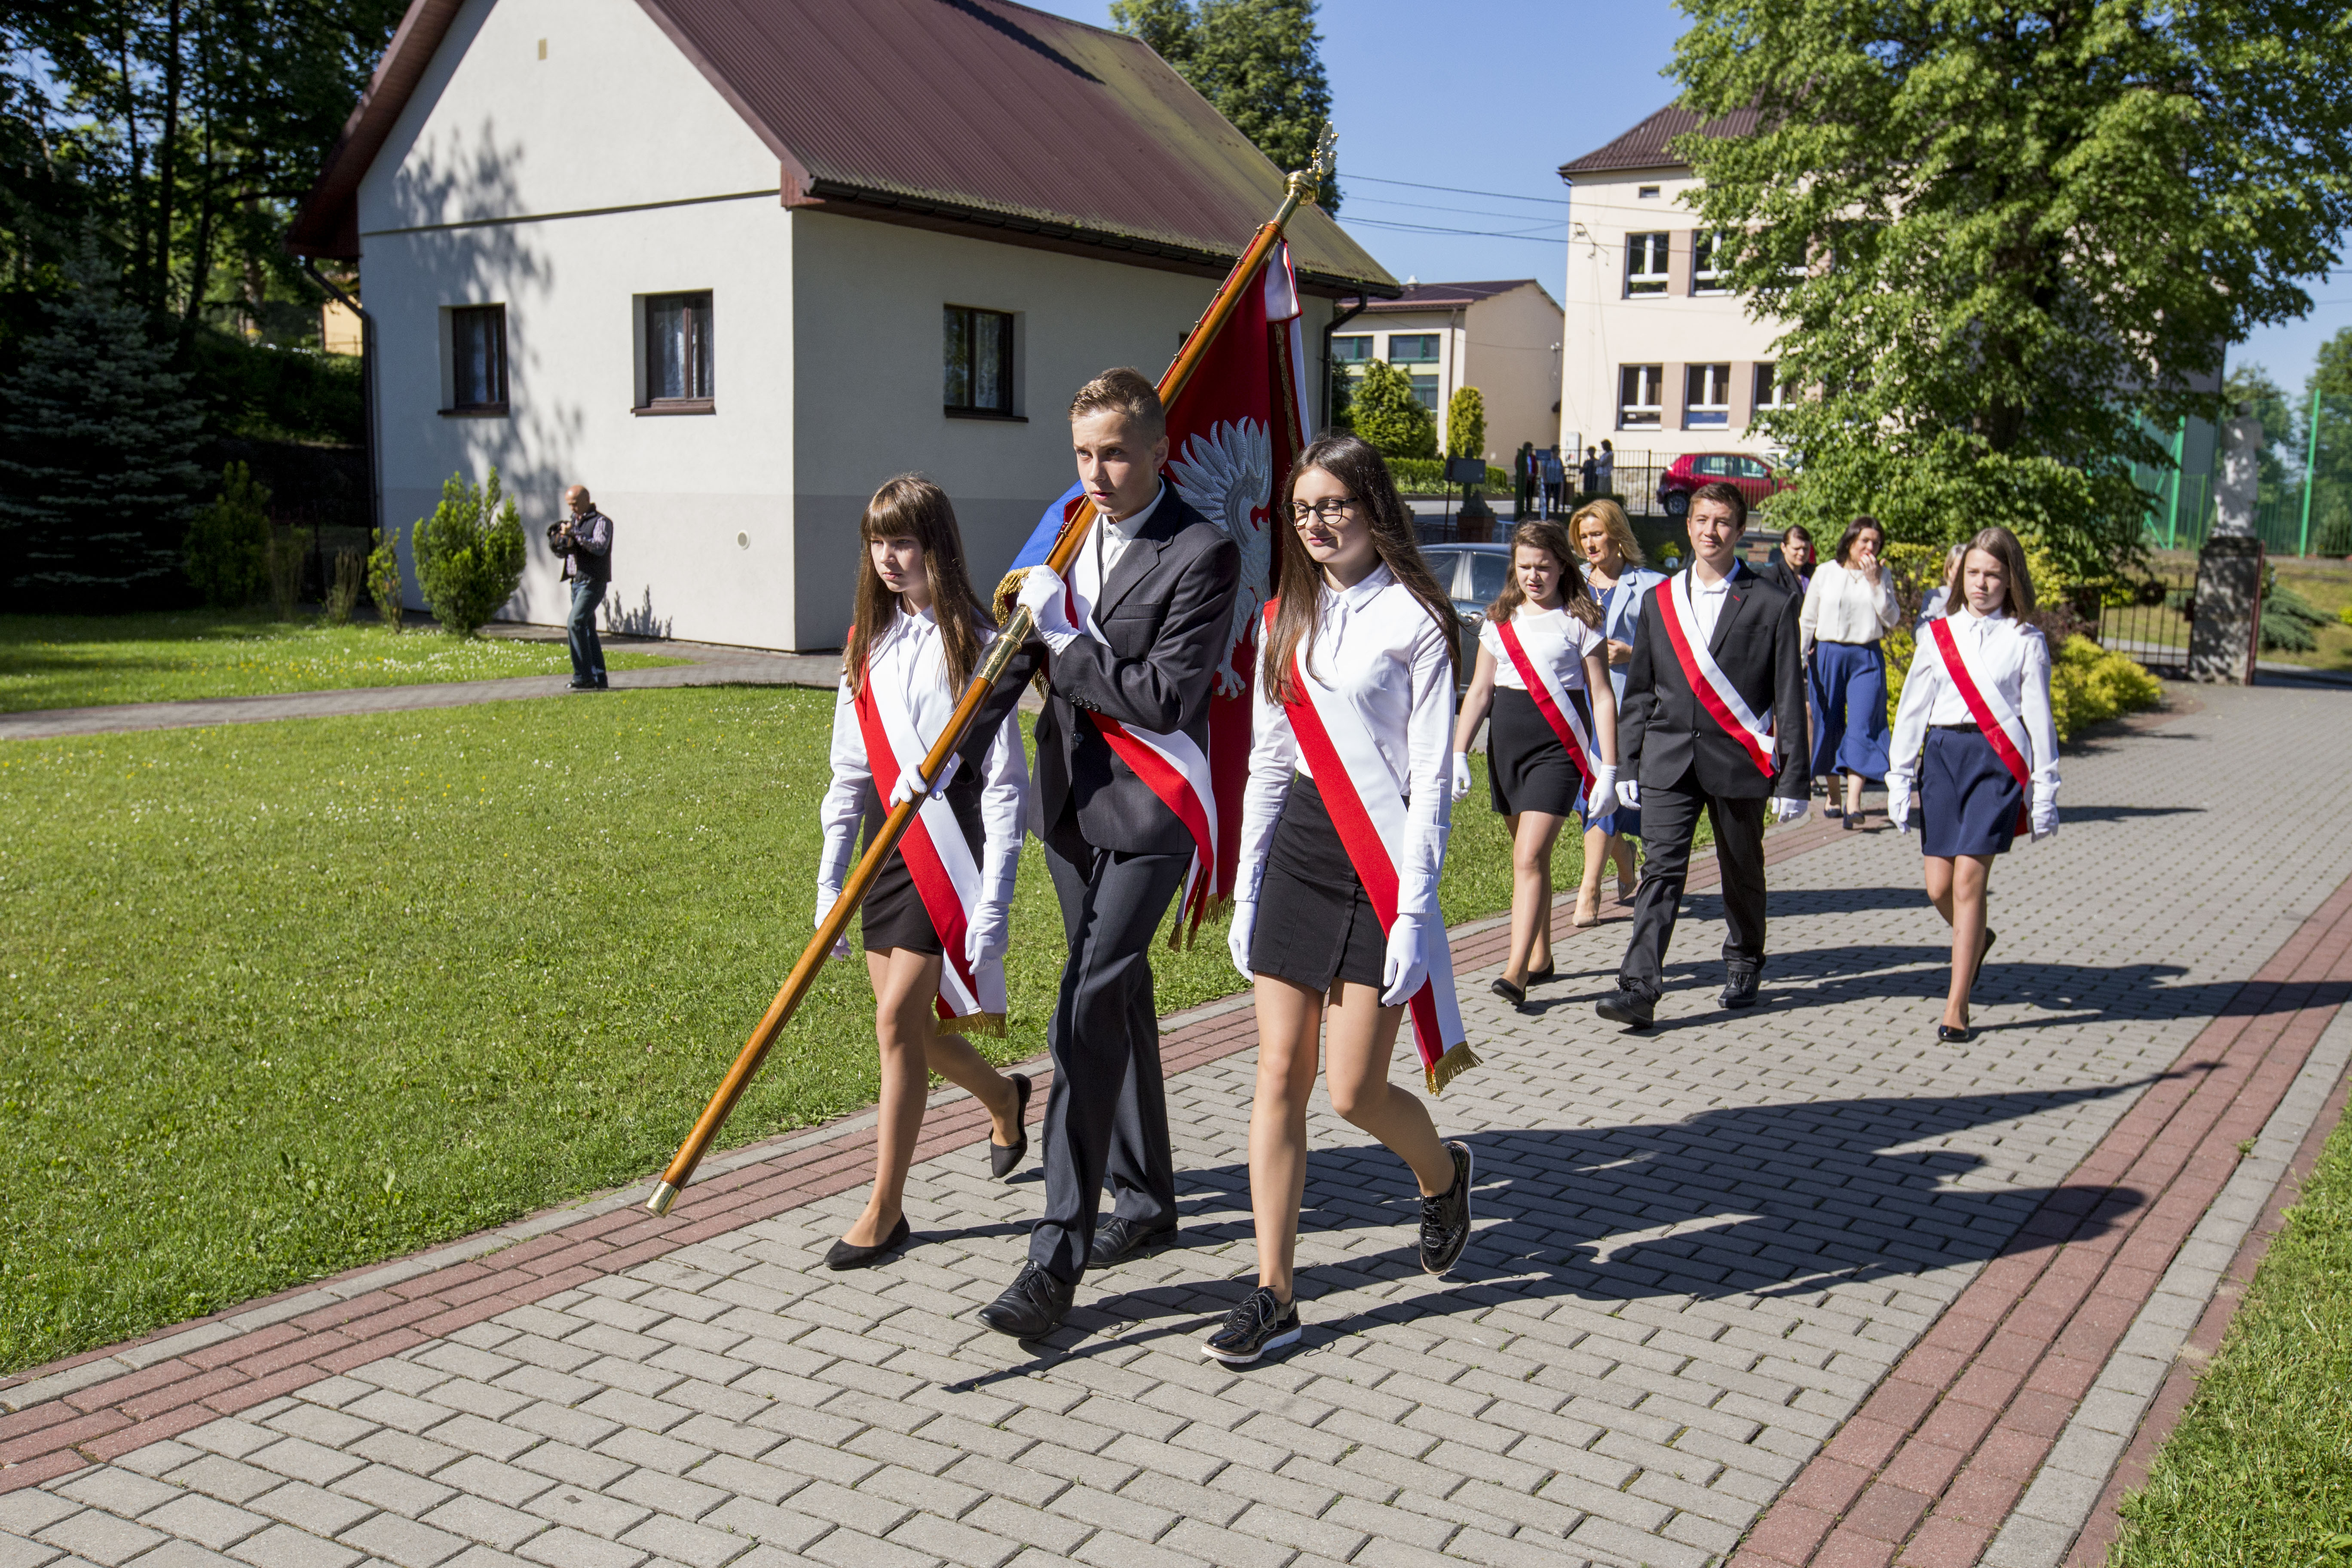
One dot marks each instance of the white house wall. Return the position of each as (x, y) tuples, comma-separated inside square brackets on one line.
[(1511, 354)]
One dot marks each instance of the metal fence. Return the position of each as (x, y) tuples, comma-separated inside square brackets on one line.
[(2149, 620), (2304, 507)]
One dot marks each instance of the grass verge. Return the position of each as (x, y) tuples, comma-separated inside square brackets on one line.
[(277, 1000), (87, 661), (2259, 1472)]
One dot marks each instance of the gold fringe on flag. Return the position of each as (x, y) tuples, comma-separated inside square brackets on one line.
[(1008, 594), (1451, 1065), (988, 1024)]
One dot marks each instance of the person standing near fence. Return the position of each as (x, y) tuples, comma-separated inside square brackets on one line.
[(584, 539), (1975, 729), (1849, 607), (1616, 578), (1553, 476), (1604, 471)]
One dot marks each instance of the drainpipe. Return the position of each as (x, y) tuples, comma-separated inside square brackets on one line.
[(367, 392), (1336, 323)]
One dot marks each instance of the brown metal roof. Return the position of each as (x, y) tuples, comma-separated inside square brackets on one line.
[(1446, 296), (1649, 144), (979, 116)]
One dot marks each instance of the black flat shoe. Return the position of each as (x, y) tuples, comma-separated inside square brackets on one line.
[(1540, 976), (1853, 821), (843, 1255), (1955, 1034), (1117, 1239), (1516, 995), (1004, 1157), (1033, 1305)]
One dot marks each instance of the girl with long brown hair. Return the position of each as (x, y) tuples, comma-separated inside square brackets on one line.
[(1344, 822), (1551, 743), (935, 922)]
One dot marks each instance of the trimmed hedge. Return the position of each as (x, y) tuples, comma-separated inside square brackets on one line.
[(1426, 477)]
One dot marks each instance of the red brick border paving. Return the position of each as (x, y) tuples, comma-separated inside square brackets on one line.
[(177, 1393), (1926, 1471)]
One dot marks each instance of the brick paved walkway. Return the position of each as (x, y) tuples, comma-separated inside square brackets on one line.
[(1723, 1271)]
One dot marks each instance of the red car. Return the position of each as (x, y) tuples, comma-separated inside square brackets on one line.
[(1754, 476)]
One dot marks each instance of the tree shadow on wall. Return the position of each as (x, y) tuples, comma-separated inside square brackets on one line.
[(637, 621)]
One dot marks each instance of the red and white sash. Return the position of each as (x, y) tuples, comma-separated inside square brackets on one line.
[(1173, 766), (1369, 814), (1713, 689), (2003, 726), (1539, 667), (939, 858)]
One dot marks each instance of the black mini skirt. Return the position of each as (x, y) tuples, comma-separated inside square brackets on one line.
[(1527, 769), (894, 914), (1315, 921)]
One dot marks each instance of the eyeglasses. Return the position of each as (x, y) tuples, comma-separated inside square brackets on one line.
[(1330, 510)]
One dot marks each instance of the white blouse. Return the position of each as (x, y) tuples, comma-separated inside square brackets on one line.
[(1378, 649), (908, 662), (1841, 605), (1580, 640), (2016, 658)]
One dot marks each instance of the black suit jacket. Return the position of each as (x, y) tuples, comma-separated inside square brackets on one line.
[(1166, 615), (1663, 733)]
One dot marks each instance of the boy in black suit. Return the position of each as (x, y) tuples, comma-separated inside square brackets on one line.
[(1158, 580), (1713, 716)]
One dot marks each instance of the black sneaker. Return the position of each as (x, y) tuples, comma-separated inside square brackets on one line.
[(1258, 1325), (1634, 1009), (1445, 1218)]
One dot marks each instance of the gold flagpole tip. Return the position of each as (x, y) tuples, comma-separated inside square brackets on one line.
[(663, 1195), (1304, 182)]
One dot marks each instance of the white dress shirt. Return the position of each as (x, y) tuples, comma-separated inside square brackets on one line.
[(1106, 543), (1578, 640), (909, 664), (2012, 656), (1842, 605), (1378, 649), (1707, 600)]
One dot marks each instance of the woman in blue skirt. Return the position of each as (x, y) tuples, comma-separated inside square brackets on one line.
[(1615, 577), (1849, 606), (1974, 730)]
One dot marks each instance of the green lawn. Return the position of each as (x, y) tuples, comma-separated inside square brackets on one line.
[(2259, 1472), (83, 661), (285, 998)]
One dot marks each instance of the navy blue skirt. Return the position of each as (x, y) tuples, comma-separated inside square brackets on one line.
[(1967, 800)]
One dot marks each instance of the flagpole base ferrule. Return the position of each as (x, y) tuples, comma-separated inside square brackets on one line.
[(663, 1195)]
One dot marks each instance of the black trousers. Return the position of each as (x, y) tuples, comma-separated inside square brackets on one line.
[(1108, 1113), (1669, 817)]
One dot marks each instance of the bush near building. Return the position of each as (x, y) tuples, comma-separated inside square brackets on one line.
[(1387, 415), (469, 553)]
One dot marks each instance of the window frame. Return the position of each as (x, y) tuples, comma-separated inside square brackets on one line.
[(496, 408), (1657, 247), (1008, 361), (704, 340), (1767, 389), (1428, 340), (1704, 279), (1714, 415), (1362, 343), (1637, 416)]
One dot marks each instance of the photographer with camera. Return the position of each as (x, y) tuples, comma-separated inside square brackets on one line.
[(584, 540)]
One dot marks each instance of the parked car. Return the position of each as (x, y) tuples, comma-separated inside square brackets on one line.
[(1755, 477), (1472, 575)]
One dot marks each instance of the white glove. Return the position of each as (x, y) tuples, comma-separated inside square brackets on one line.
[(2045, 821), (1238, 935), (988, 934), (1405, 969), (1461, 774), (1628, 795), (1603, 798), (908, 778), (1786, 809), (1043, 596), (825, 899), (1898, 804)]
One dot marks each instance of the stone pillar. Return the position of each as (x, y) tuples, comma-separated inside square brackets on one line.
[(2225, 632)]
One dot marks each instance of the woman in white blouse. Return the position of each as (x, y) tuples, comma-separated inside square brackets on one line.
[(1975, 729), (1362, 623), (917, 636), (1849, 606)]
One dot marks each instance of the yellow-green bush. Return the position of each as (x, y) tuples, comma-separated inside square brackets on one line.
[(2087, 682)]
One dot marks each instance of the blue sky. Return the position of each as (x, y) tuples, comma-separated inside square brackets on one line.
[(1493, 96)]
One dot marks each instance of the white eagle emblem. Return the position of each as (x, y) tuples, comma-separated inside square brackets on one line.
[(1227, 475)]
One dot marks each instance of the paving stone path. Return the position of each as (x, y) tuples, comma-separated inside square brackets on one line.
[(1727, 1274)]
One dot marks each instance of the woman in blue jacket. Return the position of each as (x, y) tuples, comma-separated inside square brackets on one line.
[(1614, 569)]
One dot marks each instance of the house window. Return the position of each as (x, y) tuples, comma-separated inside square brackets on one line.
[(979, 361), (1646, 264), (1412, 348), (1424, 391), (478, 359), (1704, 279), (1354, 349), (1706, 396), (1646, 193), (1768, 394), (1640, 396), (677, 354)]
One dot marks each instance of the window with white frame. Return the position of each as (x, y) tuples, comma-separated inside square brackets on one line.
[(1646, 263), (1769, 394), (1706, 396), (1704, 279), (1640, 396)]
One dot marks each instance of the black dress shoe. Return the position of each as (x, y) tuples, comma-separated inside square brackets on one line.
[(1033, 1305), (1539, 976), (1628, 1007), (844, 1254), (1516, 995), (1117, 1239), (1739, 988), (1004, 1157), (1853, 821), (1955, 1034)]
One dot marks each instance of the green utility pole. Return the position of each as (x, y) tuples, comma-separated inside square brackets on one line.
[(2310, 469), (2172, 501)]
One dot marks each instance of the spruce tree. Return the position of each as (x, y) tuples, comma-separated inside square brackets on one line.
[(97, 433)]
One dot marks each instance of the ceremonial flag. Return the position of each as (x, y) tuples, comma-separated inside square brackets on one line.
[(1232, 434)]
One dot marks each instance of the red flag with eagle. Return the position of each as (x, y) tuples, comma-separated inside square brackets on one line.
[(1232, 434)]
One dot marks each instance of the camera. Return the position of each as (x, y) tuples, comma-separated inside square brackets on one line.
[(559, 536)]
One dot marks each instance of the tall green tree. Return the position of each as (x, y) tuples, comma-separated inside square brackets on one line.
[(2011, 241), (1387, 415), (1259, 62), (2327, 398), (1465, 423)]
